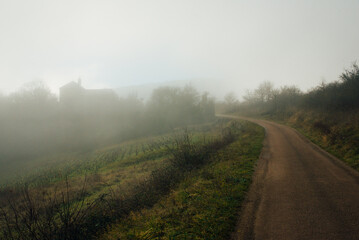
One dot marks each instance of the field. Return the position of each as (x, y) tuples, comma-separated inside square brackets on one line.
[(187, 183), (206, 203)]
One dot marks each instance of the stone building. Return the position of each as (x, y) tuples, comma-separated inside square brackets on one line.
[(73, 96)]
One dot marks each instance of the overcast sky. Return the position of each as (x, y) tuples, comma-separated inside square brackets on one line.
[(230, 45)]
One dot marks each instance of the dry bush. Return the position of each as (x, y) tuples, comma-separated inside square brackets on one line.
[(56, 215), (65, 214)]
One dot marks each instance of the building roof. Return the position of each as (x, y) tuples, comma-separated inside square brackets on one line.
[(71, 85)]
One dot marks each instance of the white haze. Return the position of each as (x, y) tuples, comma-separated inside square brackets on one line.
[(221, 45)]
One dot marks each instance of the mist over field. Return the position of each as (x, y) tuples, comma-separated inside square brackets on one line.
[(110, 111), (203, 51)]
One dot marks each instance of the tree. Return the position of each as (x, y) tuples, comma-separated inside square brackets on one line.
[(230, 102), (264, 92)]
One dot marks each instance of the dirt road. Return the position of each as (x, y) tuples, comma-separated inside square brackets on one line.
[(299, 192)]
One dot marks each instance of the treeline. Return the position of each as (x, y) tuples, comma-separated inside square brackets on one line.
[(327, 114), (34, 122), (341, 95)]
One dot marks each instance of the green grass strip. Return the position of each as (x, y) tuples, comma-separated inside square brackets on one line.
[(206, 204)]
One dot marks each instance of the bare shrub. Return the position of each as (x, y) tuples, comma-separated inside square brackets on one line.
[(56, 215), (66, 214)]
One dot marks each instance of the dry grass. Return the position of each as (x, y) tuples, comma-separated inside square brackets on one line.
[(117, 182)]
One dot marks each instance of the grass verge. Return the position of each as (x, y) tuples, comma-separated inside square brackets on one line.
[(206, 203), (337, 135), (335, 132)]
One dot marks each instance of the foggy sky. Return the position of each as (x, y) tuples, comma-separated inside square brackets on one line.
[(229, 45)]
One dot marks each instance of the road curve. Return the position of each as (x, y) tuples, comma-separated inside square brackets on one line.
[(299, 191)]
